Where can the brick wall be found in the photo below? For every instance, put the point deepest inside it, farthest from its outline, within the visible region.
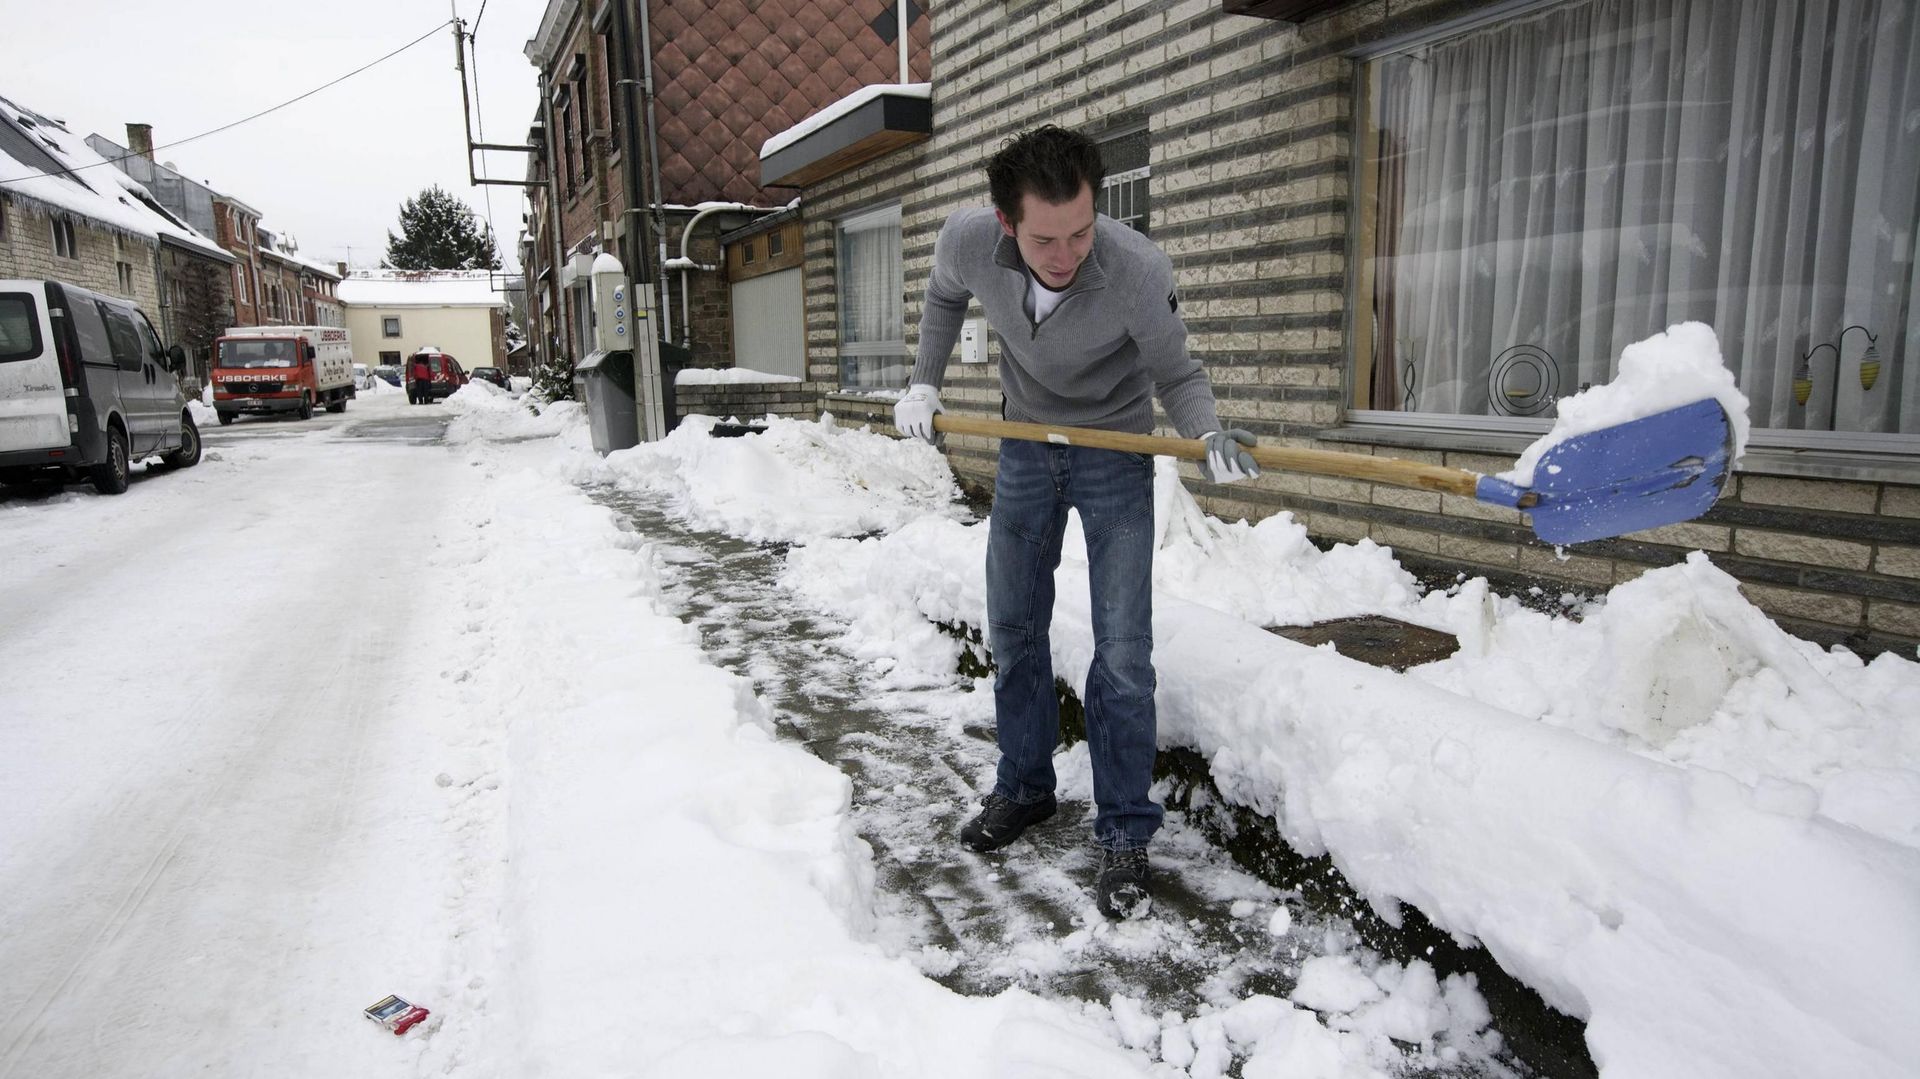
(749, 400)
(1250, 124)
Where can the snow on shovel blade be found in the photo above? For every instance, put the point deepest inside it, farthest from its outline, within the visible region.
(1657, 470)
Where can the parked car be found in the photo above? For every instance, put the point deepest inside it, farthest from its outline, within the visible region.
(86, 389)
(491, 374)
(388, 372)
(444, 375)
(362, 379)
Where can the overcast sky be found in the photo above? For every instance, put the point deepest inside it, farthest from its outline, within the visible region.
(331, 170)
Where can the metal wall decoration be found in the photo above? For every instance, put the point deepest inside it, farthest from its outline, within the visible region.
(1508, 389)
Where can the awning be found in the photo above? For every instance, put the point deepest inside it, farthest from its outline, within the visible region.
(868, 123)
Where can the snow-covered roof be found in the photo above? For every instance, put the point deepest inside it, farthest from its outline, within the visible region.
(302, 261)
(396, 288)
(784, 139)
(41, 161)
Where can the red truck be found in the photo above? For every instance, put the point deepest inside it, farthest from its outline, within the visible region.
(271, 369)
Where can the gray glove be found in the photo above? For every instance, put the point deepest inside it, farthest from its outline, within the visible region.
(1226, 461)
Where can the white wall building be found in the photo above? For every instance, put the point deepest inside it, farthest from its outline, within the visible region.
(395, 313)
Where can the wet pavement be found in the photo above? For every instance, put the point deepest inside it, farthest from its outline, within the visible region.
(918, 756)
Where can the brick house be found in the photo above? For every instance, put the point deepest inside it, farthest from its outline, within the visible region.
(1394, 232)
(66, 214)
(237, 228)
(300, 292)
(725, 76)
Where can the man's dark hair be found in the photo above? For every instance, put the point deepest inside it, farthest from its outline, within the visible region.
(1051, 162)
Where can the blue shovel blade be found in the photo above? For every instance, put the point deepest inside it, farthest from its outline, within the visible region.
(1657, 470)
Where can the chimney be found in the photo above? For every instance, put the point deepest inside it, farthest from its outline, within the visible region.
(343, 269)
(140, 139)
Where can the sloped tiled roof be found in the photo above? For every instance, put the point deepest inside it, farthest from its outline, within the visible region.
(730, 73)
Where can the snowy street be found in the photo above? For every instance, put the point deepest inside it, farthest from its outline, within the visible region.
(215, 820)
(650, 765)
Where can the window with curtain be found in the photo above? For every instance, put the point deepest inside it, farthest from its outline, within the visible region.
(873, 342)
(1540, 193)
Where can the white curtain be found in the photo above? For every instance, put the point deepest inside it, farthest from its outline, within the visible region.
(873, 347)
(1559, 186)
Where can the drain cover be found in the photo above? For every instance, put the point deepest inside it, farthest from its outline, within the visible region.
(1383, 642)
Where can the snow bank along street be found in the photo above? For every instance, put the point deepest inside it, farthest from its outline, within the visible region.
(346, 712)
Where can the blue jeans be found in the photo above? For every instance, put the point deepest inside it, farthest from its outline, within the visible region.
(1113, 491)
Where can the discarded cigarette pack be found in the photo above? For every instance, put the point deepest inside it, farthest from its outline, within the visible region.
(395, 1014)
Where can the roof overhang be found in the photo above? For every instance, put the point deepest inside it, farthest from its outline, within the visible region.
(554, 23)
(869, 123)
(206, 251)
(1291, 11)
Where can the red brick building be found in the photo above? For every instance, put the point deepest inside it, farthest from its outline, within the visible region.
(630, 175)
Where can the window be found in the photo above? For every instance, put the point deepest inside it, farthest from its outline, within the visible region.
(19, 327)
(1123, 195)
(583, 112)
(1538, 194)
(389, 327)
(566, 147)
(149, 337)
(389, 359)
(873, 347)
(64, 245)
(615, 95)
(746, 252)
(127, 350)
(3, 220)
(90, 331)
(776, 242)
(125, 270)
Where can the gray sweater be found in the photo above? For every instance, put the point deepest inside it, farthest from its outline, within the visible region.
(1114, 343)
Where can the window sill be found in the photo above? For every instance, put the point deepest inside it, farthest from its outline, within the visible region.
(1862, 466)
(861, 406)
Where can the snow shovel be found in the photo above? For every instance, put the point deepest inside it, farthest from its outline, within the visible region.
(1656, 470)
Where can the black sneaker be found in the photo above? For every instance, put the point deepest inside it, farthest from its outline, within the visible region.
(1122, 890)
(1001, 822)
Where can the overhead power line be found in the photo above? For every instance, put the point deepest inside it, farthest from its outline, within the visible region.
(255, 116)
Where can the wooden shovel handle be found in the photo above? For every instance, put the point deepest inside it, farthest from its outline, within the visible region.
(1356, 466)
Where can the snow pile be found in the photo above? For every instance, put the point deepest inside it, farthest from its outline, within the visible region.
(685, 892)
(1665, 371)
(725, 376)
(1268, 573)
(1671, 819)
(1283, 1039)
(795, 482)
(1626, 886)
(1679, 667)
(483, 411)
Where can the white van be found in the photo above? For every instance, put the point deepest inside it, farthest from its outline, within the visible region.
(86, 388)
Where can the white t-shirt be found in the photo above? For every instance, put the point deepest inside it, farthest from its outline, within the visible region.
(1041, 298)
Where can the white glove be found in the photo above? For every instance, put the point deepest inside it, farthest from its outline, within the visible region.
(913, 413)
(1226, 461)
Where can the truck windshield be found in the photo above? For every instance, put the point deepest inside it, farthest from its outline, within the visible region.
(263, 353)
